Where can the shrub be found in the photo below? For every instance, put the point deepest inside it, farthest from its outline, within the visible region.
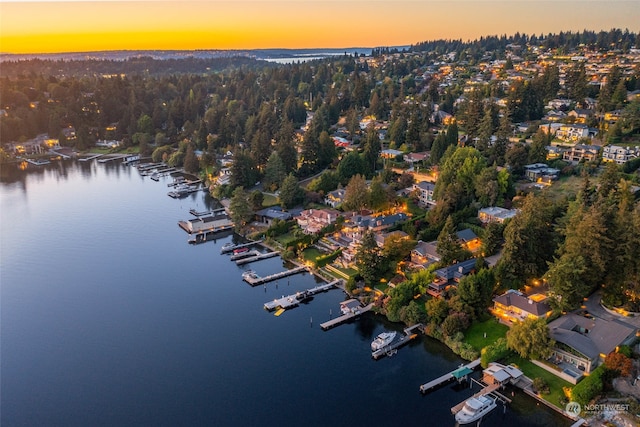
(589, 387)
(540, 385)
(494, 352)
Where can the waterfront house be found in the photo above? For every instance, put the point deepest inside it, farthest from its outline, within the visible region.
(450, 276)
(313, 220)
(268, 215)
(514, 306)
(495, 214)
(584, 341)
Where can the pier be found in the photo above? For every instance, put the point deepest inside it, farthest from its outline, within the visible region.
(110, 157)
(37, 162)
(86, 159)
(447, 377)
(293, 300)
(350, 310)
(255, 256)
(226, 249)
(253, 279)
(396, 344)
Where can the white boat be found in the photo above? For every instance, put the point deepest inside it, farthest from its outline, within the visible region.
(250, 275)
(382, 340)
(475, 408)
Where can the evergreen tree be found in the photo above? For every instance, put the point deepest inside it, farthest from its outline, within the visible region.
(369, 258)
(449, 247)
(274, 172)
(290, 192)
(356, 195)
(240, 209)
(191, 164)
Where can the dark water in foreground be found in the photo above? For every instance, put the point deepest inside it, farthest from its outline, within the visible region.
(109, 318)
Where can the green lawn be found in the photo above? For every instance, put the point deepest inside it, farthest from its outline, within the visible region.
(532, 371)
(285, 239)
(269, 200)
(566, 187)
(475, 334)
(311, 254)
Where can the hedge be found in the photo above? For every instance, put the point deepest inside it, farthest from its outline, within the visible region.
(494, 352)
(589, 387)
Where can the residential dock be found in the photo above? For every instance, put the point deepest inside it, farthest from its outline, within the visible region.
(227, 249)
(242, 255)
(293, 300)
(253, 279)
(396, 344)
(256, 256)
(486, 390)
(351, 309)
(447, 377)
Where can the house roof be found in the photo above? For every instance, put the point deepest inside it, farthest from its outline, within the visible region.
(590, 337)
(457, 270)
(275, 212)
(466, 235)
(425, 185)
(513, 298)
(428, 249)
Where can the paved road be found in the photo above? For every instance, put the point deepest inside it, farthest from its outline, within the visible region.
(595, 308)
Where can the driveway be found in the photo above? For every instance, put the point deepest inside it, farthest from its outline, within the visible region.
(596, 309)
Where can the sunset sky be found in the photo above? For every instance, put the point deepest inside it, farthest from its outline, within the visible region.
(80, 26)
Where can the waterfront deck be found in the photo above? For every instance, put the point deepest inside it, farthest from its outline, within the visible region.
(293, 300)
(396, 344)
(227, 249)
(254, 279)
(447, 377)
(345, 317)
(256, 256)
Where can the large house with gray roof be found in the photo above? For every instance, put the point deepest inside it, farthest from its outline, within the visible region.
(583, 342)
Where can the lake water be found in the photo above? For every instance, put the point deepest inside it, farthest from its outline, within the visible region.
(110, 318)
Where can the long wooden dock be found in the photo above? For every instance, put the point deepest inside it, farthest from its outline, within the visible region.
(446, 377)
(345, 317)
(227, 249)
(293, 300)
(256, 257)
(241, 255)
(253, 279)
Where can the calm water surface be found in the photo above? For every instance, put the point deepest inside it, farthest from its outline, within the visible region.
(109, 318)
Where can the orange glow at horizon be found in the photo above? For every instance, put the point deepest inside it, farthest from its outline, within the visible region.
(77, 26)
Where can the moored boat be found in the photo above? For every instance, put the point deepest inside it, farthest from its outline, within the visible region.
(382, 340)
(475, 408)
